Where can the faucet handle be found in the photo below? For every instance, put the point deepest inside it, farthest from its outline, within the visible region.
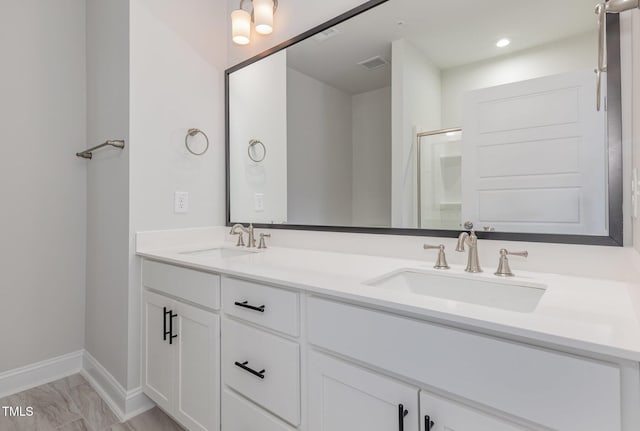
(262, 243)
(441, 261)
(504, 270)
(240, 242)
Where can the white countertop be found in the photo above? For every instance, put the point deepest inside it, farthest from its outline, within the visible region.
(591, 315)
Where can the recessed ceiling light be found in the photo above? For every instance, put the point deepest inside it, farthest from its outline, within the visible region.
(502, 43)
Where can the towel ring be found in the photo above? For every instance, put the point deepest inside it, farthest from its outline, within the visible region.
(253, 143)
(192, 133)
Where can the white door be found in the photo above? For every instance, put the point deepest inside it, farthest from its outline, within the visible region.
(157, 354)
(534, 157)
(345, 397)
(197, 375)
(440, 414)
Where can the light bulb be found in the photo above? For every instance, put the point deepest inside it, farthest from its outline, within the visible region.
(241, 26)
(502, 43)
(263, 16)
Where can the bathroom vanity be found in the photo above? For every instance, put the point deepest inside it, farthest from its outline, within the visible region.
(282, 339)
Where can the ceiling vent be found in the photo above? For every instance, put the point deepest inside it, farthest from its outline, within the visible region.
(326, 34)
(373, 62)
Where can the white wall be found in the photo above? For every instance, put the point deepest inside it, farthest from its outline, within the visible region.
(319, 152)
(371, 144)
(569, 55)
(416, 101)
(108, 184)
(43, 217)
(258, 110)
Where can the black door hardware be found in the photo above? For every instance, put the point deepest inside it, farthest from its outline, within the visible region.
(171, 334)
(401, 414)
(243, 365)
(428, 423)
(245, 304)
(164, 324)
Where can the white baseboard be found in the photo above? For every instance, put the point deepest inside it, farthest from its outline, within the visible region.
(125, 404)
(30, 376)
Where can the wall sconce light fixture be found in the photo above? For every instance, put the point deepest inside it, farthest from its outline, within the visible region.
(261, 14)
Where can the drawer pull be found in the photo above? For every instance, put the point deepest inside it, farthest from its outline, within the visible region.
(428, 423)
(245, 304)
(243, 365)
(402, 412)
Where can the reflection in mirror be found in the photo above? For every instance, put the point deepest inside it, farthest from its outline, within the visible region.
(425, 114)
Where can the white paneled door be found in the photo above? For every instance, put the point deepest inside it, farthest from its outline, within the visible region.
(534, 157)
(197, 368)
(440, 414)
(181, 371)
(158, 354)
(345, 397)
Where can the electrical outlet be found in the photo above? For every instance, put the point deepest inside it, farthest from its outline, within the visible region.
(181, 202)
(258, 202)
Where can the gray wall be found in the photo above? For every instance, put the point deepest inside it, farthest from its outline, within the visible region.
(318, 152)
(43, 216)
(371, 142)
(108, 184)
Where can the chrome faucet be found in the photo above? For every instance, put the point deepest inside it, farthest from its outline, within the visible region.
(238, 229)
(470, 240)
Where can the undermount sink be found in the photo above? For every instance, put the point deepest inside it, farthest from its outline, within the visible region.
(505, 294)
(218, 252)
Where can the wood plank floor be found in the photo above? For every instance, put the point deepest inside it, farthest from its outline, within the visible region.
(71, 404)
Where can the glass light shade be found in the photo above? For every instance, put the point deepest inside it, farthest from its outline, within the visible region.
(263, 16)
(241, 26)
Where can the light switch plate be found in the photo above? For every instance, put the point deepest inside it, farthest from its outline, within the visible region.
(258, 202)
(181, 202)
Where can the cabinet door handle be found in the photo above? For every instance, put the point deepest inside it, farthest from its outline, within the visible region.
(245, 304)
(402, 412)
(428, 423)
(164, 324)
(243, 365)
(171, 334)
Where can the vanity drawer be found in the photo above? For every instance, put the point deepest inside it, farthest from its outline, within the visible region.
(280, 308)
(198, 287)
(552, 389)
(239, 414)
(279, 388)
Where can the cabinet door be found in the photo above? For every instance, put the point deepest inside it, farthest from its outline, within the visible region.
(345, 397)
(197, 375)
(447, 415)
(157, 353)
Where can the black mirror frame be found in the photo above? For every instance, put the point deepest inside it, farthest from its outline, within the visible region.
(615, 165)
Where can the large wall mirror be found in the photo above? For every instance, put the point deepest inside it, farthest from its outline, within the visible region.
(429, 117)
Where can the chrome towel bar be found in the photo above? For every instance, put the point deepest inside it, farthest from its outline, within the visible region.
(87, 154)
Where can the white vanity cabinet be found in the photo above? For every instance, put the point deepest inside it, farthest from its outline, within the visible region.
(280, 359)
(181, 348)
